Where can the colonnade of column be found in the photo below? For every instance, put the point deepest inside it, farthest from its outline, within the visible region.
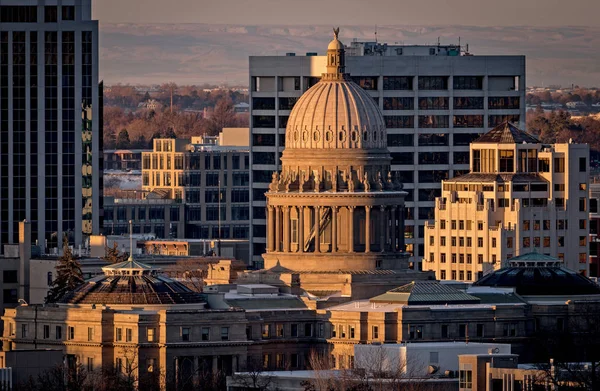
(281, 239)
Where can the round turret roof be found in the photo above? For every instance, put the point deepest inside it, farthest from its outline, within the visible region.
(336, 113)
(539, 275)
(129, 283)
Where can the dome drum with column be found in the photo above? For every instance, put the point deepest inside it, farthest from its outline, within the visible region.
(335, 204)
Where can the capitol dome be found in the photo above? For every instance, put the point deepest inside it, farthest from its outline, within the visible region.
(336, 113)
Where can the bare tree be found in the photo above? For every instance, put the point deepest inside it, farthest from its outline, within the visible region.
(191, 273)
(573, 348)
(254, 378)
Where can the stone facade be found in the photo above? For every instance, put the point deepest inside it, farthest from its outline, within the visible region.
(335, 205)
(521, 195)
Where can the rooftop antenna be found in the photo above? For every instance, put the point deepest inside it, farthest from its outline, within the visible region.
(130, 241)
(376, 34)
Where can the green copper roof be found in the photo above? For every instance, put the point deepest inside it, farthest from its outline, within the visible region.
(534, 257)
(425, 292)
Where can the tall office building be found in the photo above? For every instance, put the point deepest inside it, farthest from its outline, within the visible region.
(435, 101)
(520, 196)
(50, 121)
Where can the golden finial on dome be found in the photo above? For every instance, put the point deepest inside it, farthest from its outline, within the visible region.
(336, 32)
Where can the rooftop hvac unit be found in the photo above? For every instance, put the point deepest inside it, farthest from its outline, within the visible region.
(311, 54)
(290, 54)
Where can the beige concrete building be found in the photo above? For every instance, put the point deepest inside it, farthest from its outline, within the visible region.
(520, 196)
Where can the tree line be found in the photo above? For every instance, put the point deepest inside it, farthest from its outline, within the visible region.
(179, 112)
(560, 127)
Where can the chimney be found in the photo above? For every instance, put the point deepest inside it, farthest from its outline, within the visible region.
(25, 258)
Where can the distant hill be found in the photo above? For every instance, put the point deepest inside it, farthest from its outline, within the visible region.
(199, 53)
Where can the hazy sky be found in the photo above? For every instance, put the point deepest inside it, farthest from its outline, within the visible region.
(355, 12)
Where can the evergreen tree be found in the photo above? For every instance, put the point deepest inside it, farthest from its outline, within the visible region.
(123, 139)
(170, 133)
(113, 255)
(68, 274)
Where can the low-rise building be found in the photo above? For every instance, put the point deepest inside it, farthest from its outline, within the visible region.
(123, 159)
(211, 180)
(155, 215)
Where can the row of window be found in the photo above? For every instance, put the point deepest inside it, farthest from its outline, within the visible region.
(461, 258)
(152, 213)
(58, 332)
(461, 275)
(193, 161)
(407, 103)
(396, 122)
(28, 14)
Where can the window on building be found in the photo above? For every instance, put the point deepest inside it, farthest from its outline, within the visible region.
(509, 329)
(58, 332)
(462, 330)
(480, 259)
(375, 332)
(433, 103)
(294, 330)
(467, 82)
(10, 276)
(433, 121)
(398, 103)
(454, 274)
(150, 365)
(90, 364)
(479, 242)
(468, 103)
(582, 204)
(224, 333)
(433, 82)
(185, 334)
(50, 14)
(443, 258)
(465, 379)
(442, 274)
(582, 164)
(468, 121)
(70, 332)
(507, 160)
(397, 83)
(308, 329)
(128, 335)
(11, 296)
(469, 242)
(559, 165)
(266, 330)
(150, 334)
(444, 331)
(46, 331)
(582, 257)
(90, 333)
